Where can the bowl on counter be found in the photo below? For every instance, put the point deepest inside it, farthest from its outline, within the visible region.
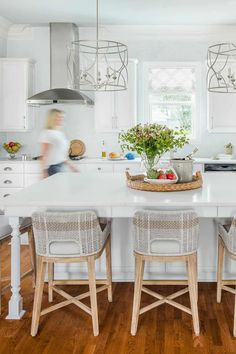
(12, 148)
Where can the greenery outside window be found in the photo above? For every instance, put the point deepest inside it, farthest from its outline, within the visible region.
(172, 95)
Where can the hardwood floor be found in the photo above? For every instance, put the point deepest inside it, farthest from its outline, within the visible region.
(164, 330)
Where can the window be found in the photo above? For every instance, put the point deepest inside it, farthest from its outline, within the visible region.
(172, 95)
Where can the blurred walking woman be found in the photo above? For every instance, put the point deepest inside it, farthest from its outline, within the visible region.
(54, 145)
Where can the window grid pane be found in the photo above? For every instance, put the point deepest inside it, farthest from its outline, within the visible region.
(172, 97)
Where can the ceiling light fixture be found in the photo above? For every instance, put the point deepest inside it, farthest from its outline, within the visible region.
(221, 62)
(101, 65)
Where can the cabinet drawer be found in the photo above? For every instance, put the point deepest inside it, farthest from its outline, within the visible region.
(103, 168)
(33, 167)
(9, 180)
(81, 167)
(32, 179)
(132, 168)
(5, 192)
(9, 167)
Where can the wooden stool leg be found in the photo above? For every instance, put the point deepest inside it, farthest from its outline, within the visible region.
(234, 330)
(221, 252)
(196, 274)
(32, 254)
(139, 268)
(108, 268)
(0, 280)
(50, 280)
(192, 293)
(38, 296)
(93, 294)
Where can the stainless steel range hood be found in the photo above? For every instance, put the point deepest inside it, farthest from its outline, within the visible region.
(61, 36)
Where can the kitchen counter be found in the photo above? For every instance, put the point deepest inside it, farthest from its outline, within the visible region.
(109, 191)
(109, 196)
(99, 160)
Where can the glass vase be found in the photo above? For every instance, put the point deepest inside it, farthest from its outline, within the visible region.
(150, 165)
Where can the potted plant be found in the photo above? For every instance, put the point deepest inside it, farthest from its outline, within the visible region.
(151, 141)
(229, 149)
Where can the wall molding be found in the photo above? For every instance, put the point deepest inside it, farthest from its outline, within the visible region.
(4, 27)
(20, 32)
(160, 32)
(211, 34)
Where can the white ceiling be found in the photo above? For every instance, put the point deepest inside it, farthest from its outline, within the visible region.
(121, 12)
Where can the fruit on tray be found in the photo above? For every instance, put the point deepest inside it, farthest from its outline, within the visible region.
(168, 174)
(12, 147)
(114, 155)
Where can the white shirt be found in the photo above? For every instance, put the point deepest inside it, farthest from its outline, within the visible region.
(58, 146)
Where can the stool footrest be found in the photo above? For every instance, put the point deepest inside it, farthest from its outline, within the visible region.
(165, 282)
(230, 290)
(165, 299)
(71, 300)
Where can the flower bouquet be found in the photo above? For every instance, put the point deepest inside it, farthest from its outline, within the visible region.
(151, 141)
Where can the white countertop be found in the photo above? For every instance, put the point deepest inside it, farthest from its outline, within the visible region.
(109, 190)
(99, 160)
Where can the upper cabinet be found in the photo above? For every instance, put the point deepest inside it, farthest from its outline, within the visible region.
(117, 110)
(222, 112)
(16, 85)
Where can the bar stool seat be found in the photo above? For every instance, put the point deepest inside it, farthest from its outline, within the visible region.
(165, 236)
(226, 242)
(70, 237)
(5, 236)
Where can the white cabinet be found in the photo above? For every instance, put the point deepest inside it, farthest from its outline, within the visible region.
(117, 110)
(32, 179)
(11, 167)
(11, 178)
(16, 85)
(221, 112)
(127, 167)
(99, 168)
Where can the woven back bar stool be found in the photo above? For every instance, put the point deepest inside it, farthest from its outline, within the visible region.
(165, 236)
(226, 242)
(5, 236)
(70, 237)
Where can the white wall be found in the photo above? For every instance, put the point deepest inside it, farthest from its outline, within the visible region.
(79, 122)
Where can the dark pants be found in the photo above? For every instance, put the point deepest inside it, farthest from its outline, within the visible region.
(55, 168)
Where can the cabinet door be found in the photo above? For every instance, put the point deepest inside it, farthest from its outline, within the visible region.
(116, 110)
(99, 168)
(125, 102)
(15, 85)
(104, 111)
(127, 167)
(221, 112)
(32, 179)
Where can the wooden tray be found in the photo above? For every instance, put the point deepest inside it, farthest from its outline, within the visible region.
(137, 182)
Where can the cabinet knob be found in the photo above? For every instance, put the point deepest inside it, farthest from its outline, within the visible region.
(99, 168)
(6, 195)
(127, 169)
(7, 169)
(7, 181)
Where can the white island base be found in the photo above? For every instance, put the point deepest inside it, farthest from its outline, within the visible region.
(123, 260)
(109, 196)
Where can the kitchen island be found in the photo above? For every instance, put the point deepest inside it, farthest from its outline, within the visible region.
(109, 196)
